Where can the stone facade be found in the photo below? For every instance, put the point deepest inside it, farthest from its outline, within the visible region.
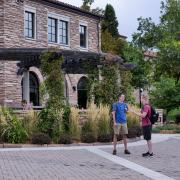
(12, 36)
(1, 24)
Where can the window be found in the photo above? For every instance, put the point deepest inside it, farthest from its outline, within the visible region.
(29, 24)
(63, 32)
(52, 30)
(83, 32)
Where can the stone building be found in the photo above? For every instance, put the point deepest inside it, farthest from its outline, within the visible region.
(27, 27)
(30, 27)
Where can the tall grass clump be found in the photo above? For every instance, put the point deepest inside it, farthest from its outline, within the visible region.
(74, 128)
(104, 129)
(89, 128)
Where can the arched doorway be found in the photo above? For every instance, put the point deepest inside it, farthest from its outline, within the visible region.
(82, 92)
(34, 89)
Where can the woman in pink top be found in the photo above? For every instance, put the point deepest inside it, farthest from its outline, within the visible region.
(146, 124)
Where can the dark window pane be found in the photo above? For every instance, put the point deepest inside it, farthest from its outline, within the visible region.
(29, 24)
(83, 36)
(52, 30)
(63, 32)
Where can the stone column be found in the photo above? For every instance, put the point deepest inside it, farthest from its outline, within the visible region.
(26, 93)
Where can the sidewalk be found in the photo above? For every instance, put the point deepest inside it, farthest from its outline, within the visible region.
(93, 162)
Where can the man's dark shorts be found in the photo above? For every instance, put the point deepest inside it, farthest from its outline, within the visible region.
(147, 130)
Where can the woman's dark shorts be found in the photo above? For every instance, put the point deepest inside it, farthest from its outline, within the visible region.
(147, 130)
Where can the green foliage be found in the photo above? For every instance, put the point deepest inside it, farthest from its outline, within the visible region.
(107, 90)
(41, 138)
(166, 94)
(74, 128)
(11, 128)
(50, 122)
(54, 119)
(164, 37)
(112, 44)
(172, 114)
(29, 122)
(88, 133)
(53, 84)
(141, 74)
(110, 22)
(168, 127)
(65, 139)
(87, 5)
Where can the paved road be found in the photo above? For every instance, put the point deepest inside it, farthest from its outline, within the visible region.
(93, 163)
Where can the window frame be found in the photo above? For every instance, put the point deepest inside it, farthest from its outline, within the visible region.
(84, 24)
(56, 30)
(31, 10)
(60, 18)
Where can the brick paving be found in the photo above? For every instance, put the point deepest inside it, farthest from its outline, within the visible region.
(72, 163)
(63, 165)
(166, 158)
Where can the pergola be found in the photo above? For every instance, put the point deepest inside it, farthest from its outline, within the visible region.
(74, 60)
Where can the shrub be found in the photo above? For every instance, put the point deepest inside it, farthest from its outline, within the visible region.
(87, 133)
(92, 116)
(134, 131)
(50, 122)
(177, 119)
(41, 138)
(65, 139)
(88, 137)
(155, 130)
(11, 127)
(178, 130)
(29, 122)
(105, 138)
(66, 118)
(103, 120)
(74, 128)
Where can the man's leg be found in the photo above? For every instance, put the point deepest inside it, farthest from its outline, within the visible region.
(115, 141)
(116, 133)
(149, 143)
(125, 141)
(125, 132)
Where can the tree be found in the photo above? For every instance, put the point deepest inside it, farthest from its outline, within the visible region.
(141, 72)
(110, 22)
(164, 38)
(166, 95)
(87, 4)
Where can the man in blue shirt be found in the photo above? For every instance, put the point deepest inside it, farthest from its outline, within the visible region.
(120, 124)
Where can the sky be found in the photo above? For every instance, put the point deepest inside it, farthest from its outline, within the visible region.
(127, 12)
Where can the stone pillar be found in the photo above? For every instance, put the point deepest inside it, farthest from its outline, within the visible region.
(26, 93)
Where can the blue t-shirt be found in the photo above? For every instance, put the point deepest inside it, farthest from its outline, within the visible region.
(120, 112)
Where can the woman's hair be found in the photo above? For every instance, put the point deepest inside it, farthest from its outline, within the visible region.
(145, 97)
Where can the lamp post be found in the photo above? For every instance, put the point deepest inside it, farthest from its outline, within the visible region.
(140, 91)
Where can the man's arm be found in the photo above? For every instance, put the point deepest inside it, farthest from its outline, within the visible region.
(142, 115)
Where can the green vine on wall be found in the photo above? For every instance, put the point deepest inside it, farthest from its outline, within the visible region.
(53, 86)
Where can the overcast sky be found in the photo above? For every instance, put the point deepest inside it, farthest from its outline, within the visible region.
(127, 12)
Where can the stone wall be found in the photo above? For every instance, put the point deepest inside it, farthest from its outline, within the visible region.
(2, 88)
(1, 23)
(12, 84)
(14, 26)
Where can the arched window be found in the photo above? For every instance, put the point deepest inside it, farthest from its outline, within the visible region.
(82, 92)
(34, 89)
(30, 88)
